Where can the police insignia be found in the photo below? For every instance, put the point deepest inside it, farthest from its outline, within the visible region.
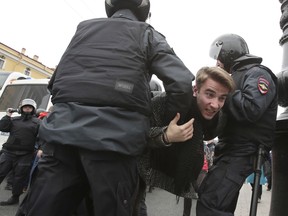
(263, 85)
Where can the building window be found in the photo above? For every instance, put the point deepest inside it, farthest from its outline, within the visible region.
(2, 61)
(27, 72)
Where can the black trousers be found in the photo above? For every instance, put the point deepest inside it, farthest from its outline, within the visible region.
(259, 190)
(66, 175)
(187, 207)
(140, 208)
(20, 165)
(188, 201)
(219, 191)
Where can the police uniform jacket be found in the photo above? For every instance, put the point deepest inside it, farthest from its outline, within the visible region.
(23, 133)
(251, 110)
(100, 89)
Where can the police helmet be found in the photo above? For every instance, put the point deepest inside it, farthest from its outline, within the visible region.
(28, 102)
(155, 86)
(141, 8)
(227, 48)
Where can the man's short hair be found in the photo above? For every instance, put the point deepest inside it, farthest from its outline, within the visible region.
(217, 74)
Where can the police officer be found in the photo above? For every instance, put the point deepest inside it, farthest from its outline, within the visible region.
(18, 151)
(100, 118)
(251, 116)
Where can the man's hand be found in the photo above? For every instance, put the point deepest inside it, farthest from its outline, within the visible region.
(179, 133)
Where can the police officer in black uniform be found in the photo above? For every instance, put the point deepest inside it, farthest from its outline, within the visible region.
(251, 117)
(100, 118)
(18, 150)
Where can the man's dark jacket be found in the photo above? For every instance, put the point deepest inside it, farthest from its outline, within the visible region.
(176, 167)
(23, 133)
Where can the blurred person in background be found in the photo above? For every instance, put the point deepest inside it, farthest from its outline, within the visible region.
(18, 150)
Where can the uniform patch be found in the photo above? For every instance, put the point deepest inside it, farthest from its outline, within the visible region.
(124, 86)
(263, 85)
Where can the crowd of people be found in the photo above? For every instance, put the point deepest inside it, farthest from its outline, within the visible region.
(111, 135)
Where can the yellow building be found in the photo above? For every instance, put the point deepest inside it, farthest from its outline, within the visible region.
(12, 60)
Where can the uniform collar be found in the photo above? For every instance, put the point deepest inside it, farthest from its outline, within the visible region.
(246, 62)
(126, 14)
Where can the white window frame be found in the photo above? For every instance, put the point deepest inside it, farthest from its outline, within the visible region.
(2, 62)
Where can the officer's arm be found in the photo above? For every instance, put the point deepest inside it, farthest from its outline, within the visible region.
(176, 77)
(51, 81)
(5, 124)
(256, 95)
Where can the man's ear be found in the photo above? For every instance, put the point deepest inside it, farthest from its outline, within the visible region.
(195, 90)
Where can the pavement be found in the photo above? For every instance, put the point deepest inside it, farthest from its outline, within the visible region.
(162, 203)
(5, 195)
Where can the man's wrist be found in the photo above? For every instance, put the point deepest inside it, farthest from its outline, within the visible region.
(165, 138)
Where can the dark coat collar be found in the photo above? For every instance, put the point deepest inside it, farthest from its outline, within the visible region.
(126, 14)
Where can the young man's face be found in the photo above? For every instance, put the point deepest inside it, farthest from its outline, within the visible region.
(210, 98)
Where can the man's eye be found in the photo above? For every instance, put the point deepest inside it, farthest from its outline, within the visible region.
(209, 94)
(222, 99)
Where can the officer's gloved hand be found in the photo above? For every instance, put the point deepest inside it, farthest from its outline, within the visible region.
(9, 111)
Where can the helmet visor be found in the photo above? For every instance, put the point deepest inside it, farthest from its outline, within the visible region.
(215, 49)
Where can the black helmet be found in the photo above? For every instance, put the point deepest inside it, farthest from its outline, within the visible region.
(227, 48)
(28, 102)
(141, 8)
(155, 86)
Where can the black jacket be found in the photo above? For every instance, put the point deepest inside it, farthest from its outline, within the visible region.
(23, 133)
(175, 167)
(103, 80)
(251, 110)
(110, 61)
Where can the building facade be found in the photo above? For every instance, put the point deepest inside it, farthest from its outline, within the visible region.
(12, 60)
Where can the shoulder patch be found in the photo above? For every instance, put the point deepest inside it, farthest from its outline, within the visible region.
(263, 85)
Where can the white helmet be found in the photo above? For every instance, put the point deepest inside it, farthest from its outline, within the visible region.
(28, 102)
